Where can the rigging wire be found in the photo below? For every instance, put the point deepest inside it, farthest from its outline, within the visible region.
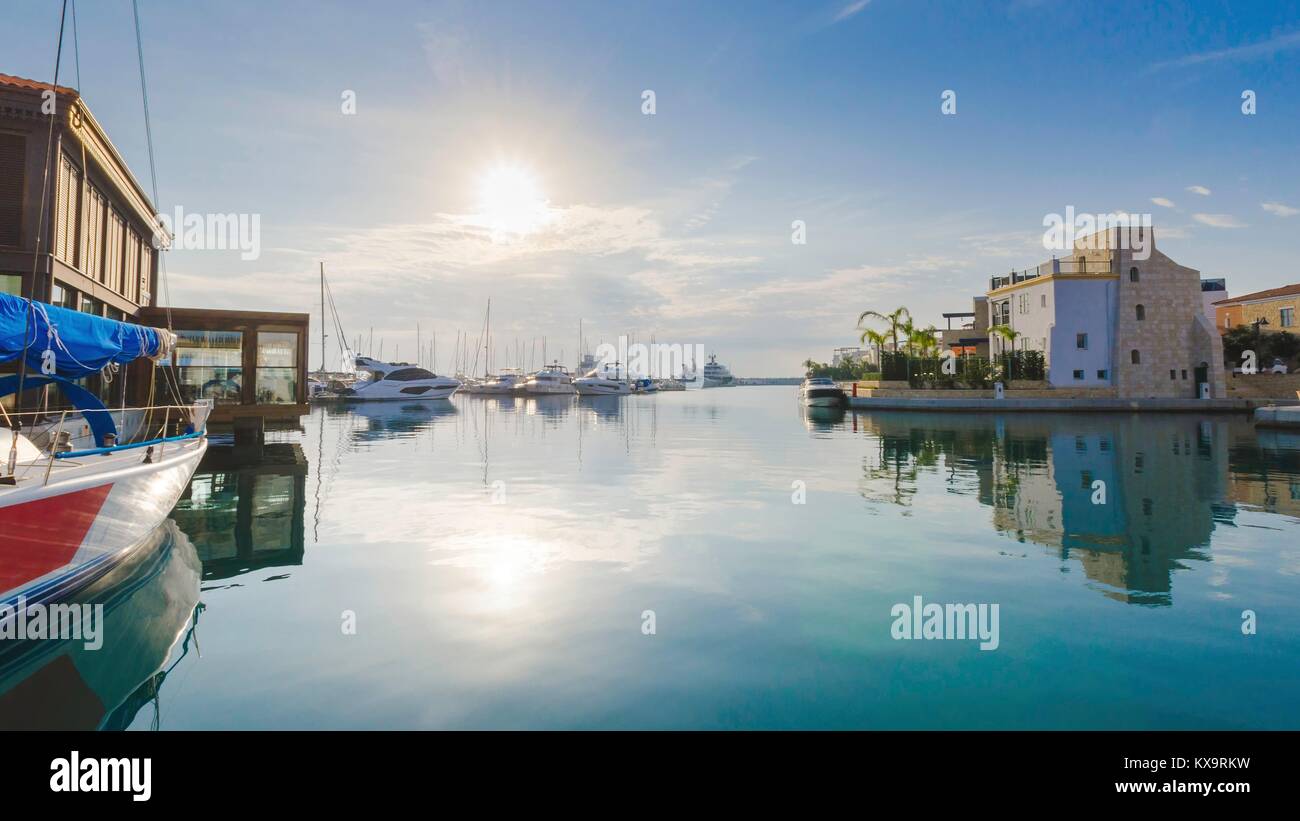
(40, 230)
(173, 382)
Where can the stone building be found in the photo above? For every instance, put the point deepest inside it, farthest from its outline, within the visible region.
(1110, 318)
(1274, 309)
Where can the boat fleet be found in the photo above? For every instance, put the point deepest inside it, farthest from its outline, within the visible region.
(373, 380)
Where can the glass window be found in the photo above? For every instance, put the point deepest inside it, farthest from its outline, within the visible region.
(63, 297)
(90, 305)
(1078, 374)
(1103, 374)
(277, 367)
(209, 365)
(1133, 275)
(11, 284)
(1081, 341)
(1141, 312)
(1135, 357)
(1288, 317)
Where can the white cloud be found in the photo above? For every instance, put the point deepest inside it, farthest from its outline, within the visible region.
(1218, 220)
(1264, 48)
(1280, 210)
(1164, 203)
(851, 9)
(1199, 189)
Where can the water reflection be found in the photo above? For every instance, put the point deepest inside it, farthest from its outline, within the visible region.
(243, 516)
(148, 601)
(1130, 498)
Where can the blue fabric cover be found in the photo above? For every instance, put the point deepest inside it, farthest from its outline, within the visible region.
(81, 344)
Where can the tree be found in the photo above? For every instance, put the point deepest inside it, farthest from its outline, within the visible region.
(894, 320)
(877, 339)
(1007, 334)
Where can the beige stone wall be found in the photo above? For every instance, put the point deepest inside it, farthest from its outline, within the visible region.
(1265, 386)
(1174, 334)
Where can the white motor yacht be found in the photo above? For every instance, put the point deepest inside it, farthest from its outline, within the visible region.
(379, 381)
(507, 380)
(597, 383)
(820, 391)
(554, 378)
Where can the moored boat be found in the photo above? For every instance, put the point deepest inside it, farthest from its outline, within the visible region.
(819, 391)
(76, 492)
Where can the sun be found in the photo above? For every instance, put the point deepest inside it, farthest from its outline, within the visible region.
(511, 202)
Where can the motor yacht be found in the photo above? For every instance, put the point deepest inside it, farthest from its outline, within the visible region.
(820, 391)
(554, 378)
(388, 381)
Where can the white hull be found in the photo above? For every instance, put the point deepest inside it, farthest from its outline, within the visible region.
(823, 401)
(602, 387)
(92, 510)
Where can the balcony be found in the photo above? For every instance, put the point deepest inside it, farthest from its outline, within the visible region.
(1055, 266)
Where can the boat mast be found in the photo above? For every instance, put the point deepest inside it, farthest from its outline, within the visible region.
(323, 335)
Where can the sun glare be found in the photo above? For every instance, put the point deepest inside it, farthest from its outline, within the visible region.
(511, 202)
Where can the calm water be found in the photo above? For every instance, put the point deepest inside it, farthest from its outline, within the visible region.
(497, 557)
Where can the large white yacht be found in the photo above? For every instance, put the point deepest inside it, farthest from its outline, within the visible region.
(554, 378)
(820, 391)
(715, 375)
(378, 381)
(597, 383)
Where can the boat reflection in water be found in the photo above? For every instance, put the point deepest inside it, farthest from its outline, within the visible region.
(1130, 498)
(821, 418)
(147, 604)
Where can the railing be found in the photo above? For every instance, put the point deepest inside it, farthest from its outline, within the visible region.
(154, 426)
(1082, 265)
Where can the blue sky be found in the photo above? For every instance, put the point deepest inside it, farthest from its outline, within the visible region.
(678, 224)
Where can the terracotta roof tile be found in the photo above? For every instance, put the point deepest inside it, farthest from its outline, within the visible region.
(11, 81)
(1285, 290)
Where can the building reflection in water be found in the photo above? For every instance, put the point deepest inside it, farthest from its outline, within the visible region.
(148, 601)
(246, 516)
(1168, 481)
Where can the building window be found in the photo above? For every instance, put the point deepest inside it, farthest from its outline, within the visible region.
(1103, 374)
(63, 297)
(1184, 374)
(1288, 317)
(1081, 341)
(1173, 374)
(11, 284)
(1133, 275)
(90, 305)
(1078, 374)
(1043, 303)
(67, 211)
(1141, 313)
(1135, 357)
(1227, 321)
(277, 368)
(209, 365)
(1085, 479)
(13, 168)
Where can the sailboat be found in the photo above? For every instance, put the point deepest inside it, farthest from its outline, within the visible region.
(81, 487)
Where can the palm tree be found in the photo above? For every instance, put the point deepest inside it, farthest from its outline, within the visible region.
(894, 320)
(1007, 334)
(926, 340)
(809, 365)
(878, 339)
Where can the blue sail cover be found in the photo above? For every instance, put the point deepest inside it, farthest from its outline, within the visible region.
(76, 344)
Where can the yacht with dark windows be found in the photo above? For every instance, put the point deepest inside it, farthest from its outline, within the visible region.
(387, 381)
